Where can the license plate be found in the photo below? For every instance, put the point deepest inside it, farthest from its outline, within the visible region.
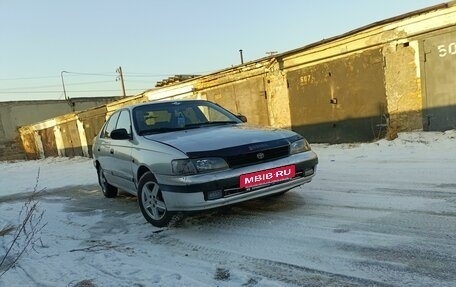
(267, 176)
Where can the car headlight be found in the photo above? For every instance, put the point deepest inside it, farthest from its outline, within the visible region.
(299, 146)
(211, 163)
(183, 167)
(193, 166)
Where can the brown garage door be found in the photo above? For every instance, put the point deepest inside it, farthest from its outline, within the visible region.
(92, 121)
(70, 137)
(48, 140)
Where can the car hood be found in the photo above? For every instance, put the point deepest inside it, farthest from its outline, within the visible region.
(238, 138)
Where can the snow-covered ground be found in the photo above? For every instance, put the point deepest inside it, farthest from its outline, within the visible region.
(376, 214)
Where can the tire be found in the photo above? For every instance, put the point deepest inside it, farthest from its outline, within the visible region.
(151, 202)
(108, 190)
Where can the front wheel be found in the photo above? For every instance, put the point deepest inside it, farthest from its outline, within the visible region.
(108, 190)
(151, 201)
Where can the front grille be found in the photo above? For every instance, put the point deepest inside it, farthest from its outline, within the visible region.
(252, 157)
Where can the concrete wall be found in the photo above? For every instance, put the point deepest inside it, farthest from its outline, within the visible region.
(21, 113)
(16, 114)
(403, 87)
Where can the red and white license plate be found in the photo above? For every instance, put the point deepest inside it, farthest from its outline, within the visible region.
(267, 176)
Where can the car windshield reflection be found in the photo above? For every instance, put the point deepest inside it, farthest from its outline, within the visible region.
(186, 127)
(170, 117)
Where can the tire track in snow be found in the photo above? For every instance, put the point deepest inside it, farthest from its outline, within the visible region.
(287, 273)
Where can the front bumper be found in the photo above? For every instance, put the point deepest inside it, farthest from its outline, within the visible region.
(187, 193)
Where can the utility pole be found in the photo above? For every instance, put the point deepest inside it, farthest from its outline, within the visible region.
(63, 84)
(242, 56)
(70, 103)
(119, 70)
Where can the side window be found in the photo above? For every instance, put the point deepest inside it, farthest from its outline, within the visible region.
(110, 125)
(124, 121)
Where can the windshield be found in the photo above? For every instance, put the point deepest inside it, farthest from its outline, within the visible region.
(171, 116)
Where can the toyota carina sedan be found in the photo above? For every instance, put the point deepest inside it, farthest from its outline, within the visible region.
(194, 155)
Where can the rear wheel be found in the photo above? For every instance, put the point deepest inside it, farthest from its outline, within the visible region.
(151, 202)
(108, 190)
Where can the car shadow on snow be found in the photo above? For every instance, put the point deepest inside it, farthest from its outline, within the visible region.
(93, 200)
(89, 200)
(267, 206)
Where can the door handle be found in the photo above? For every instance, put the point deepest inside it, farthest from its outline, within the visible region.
(111, 151)
(428, 117)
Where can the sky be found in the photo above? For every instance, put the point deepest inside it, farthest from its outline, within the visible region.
(48, 44)
(375, 214)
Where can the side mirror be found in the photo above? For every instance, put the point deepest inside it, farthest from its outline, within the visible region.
(120, 134)
(242, 118)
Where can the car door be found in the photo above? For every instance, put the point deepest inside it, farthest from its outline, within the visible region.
(103, 148)
(121, 152)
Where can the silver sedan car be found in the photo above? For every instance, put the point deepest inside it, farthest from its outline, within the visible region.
(192, 155)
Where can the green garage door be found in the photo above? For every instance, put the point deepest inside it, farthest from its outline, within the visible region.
(342, 100)
(439, 82)
(246, 96)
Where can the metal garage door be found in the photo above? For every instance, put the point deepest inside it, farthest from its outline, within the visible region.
(48, 141)
(70, 137)
(92, 121)
(343, 100)
(247, 97)
(439, 82)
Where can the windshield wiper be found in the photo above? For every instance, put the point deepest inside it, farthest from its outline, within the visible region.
(159, 130)
(210, 123)
(223, 122)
